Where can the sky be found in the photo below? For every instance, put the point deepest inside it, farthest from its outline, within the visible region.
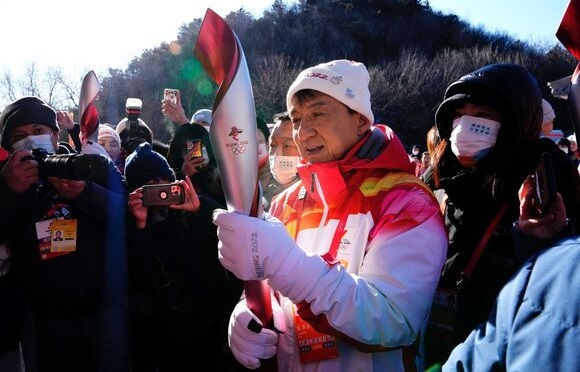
(534, 21)
(79, 36)
(95, 35)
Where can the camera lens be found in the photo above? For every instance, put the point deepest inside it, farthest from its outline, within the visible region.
(71, 166)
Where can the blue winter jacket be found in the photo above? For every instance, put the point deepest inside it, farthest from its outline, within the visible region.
(534, 325)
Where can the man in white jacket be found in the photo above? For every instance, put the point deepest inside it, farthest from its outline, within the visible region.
(353, 250)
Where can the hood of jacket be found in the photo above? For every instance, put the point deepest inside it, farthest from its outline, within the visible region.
(510, 89)
(380, 151)
(514, 92)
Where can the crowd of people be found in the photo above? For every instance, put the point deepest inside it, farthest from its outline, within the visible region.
(377, 258)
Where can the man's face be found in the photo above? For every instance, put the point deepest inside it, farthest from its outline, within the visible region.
(324, 129)
(26, 130)
(281, 141)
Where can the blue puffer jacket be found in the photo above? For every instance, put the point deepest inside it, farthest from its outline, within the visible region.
(535, 323)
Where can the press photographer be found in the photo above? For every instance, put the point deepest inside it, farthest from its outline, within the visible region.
(44, 189)
(132, 129)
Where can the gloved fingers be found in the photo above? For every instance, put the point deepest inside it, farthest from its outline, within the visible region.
(246, 326)
(248, 340)
(240, 264)
(250, 351)
(225, 219)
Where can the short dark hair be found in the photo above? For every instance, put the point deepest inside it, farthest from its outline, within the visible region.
(281, 116)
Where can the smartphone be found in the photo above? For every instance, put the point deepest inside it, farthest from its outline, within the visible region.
(171, 95)
(545, 185)
(163, 194)
(195, 147)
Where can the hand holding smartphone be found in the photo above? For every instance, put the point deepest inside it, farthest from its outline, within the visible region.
(163, 195)
(194, 148)
(170, 95)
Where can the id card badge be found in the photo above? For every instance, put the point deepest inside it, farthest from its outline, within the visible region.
(313, 345)
(64, 236)
(44, 237)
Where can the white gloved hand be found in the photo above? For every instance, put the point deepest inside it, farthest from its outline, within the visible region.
(248, 339)
(256, 249)
(250, 247)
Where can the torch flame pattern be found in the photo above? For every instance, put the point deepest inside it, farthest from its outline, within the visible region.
(569, 35)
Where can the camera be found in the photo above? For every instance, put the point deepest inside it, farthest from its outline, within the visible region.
(133, 109)
(163, 194)
(78, 167)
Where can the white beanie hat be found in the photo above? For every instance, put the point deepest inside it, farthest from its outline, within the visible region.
(346, 81)
(106, 130)
(203, 115)
(549, 114)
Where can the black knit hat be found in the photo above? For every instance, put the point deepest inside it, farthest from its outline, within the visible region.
(144, 164)
(27, 110)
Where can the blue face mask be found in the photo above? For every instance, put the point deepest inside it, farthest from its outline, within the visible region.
(42, 141)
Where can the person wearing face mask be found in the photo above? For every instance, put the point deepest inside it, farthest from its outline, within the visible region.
(264, 175)
(283, 155)
(75, 286)
(489, 127)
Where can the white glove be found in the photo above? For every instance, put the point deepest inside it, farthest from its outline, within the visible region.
(248, 339)
(249, 246)
(255, 249)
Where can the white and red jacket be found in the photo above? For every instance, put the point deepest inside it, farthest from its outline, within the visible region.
(393, 247)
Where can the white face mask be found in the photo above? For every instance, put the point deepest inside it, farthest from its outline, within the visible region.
(565, 149)
(472, 138)
(283, 168)
(42, 141)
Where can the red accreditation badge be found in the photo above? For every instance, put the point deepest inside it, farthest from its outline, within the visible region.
(313, 345)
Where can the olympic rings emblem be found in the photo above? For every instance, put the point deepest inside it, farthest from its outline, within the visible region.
(239, 149)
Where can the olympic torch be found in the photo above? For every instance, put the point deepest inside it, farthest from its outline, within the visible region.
(233, 134)
(569, 35)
